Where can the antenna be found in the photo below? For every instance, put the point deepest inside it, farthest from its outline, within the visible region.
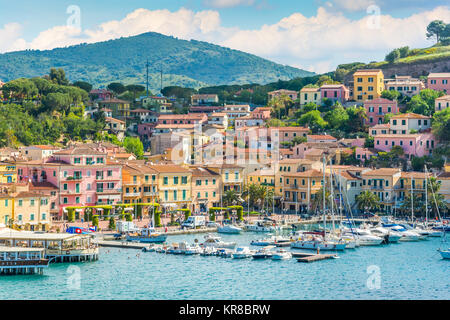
(146, 65)
(161, 78)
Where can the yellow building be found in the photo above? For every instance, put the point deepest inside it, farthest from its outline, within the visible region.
(382, 182)
(139, 183)
(310, 95)
(206, 186)
(6, 208)
(174, 186)
(367, 84)
(232, 176)
(31, 211)
(287, 166)
(8, 172)
(300, 189)
(264, 177)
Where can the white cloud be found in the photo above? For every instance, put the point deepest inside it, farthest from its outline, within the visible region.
(219, 4)
(317, 43)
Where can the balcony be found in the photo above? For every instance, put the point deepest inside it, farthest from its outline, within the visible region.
(109, 191)
(151, 194)
(132, 194)
(73, 178)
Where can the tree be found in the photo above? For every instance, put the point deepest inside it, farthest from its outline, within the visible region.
(441, 125)
(369, 142)
(337, 117)
(112, 224)
(230, 198)
(367, 201)
(135, 89)
(404, 51)
(317, 202)
(392, 56)
(58, 76)
(86, 86)
(391, 94)
(135, 146)
(435, 29)
(423, 103)
(116, 87)
(56, 101)
(357, 117)
(313, 120)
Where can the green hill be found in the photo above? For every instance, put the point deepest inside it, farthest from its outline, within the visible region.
(184, 63)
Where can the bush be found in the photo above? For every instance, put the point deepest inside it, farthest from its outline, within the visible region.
(128, 217)
(158, 219)
(112, 223)
(95, 221)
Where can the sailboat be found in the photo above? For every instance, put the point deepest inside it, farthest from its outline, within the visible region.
(318, 240)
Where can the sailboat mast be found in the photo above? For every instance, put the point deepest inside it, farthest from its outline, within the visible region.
(332, 194)
(426, 198)
(340, 195)
(323, 195)
(412, 200)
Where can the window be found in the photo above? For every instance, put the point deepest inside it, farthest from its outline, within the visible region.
(184, 194)
(77, 160)
(32, 217)
(44, 216)
(77, 200)
(198, 182)
(32, 202)
(65, 200)
(226, 176)
(174, 194)
(109, 173)
(184, 180)
(166, 195)
(166, 181)
(175, 180)
(236, 175)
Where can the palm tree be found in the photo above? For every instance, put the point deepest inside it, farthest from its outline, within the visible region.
(417, 202)
(230, 197)
(317, 202)
(367, 201)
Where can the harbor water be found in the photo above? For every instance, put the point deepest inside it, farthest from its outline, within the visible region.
(407, 270)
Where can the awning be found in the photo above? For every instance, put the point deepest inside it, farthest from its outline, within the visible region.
(128, 209)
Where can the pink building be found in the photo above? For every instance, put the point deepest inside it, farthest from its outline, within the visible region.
(335, 92)
(439, 82)
(417, 145)
(101, 94)
(190, 118)
(376, 110)
(364, 154)
(261, 113)
(81, 175)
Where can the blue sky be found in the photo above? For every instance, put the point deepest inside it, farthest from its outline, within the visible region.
(288, 32)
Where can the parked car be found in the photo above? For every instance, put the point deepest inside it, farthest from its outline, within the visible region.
(212, 224)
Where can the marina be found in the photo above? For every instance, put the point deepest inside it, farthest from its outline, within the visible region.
(132, 274)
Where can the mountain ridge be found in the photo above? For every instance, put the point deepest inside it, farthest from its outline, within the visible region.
(184, 62)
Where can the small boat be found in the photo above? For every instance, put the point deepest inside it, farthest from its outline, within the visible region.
(224, 253)
(407, 235)
(390, 236)
(281, 254)
(191, 250)
(260, 226)
(445, 253)
(216, 242)
(229, 229)
(147, 235)
(263, 253)
(242, 253)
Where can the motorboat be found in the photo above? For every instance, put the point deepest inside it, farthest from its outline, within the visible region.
(208, 251)
(390, 236)
(241, 253)
(191, 250)
(314, 241)
(407, 235)
(224, 253)
(146, 235)
(260, 226)
(229, 229)
(445, 253)
(364, 237)
(281, 254)
(216, 242)
(272, 240)
(263, 253)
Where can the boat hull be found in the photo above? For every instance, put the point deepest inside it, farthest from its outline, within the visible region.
(314, 245)
(445, 254)
(155, 239)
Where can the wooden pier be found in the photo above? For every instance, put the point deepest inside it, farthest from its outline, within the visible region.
(308, 257)
(123, 244)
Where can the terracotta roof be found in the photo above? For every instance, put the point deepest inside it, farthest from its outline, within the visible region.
(175, 126)
(189, 116)
(308, 173)
(415, 175)
(367, 72)
(114, 101)
(381, 126)
(282, 91)
(168, 168)
(380, 100)
(321, 137)
(382, 172)
(79, 151)
(202, 172)
(108, 119)
(439, 75)
(446, 97)
(409, 116)
(43, 186)
(309, 89)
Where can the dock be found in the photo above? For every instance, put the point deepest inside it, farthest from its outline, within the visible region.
(314, 257)
(123, 244)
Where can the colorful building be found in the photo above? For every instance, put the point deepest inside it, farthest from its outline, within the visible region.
(335, 92)
(367, 84)
(442, 103)
(8, 172)
(278, 93)
(377, 108)
(404, 123)
(406, 85)
(310, 95)
(206, 188)
(439, 82)
(414, 145)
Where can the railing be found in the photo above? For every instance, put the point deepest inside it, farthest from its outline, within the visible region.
(132, 194)
(18, 263)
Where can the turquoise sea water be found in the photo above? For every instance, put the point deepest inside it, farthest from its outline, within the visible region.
(408, 270)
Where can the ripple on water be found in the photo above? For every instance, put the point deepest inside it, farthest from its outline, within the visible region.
(410, 270)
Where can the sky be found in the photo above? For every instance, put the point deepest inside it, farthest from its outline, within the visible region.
(314, 35)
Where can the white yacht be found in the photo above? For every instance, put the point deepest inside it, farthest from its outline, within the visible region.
(313, 241)
(364, 237)
(281, 254)
(229, 229)
(242, 253)
(390, 235)
(216, 242)
(260, 226)
(407, 235)
(263, 253)
(272, 240)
